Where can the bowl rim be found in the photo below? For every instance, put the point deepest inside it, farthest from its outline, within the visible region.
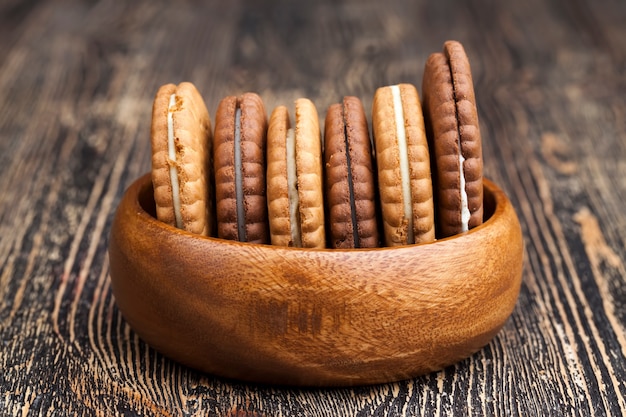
(494, 202)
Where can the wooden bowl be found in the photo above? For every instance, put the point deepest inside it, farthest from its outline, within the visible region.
(313, 317)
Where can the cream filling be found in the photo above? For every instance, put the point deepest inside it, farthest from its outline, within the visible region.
(353, 217)
(292, 190)
(404, 161)
(465, 213)
(171, 153)
(241, 212)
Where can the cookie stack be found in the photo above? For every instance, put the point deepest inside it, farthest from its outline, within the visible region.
(280, 181)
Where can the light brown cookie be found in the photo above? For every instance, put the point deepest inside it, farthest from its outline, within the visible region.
(294, 178)
(181, 165)
(349, 177)
(402, 157)
(452, 123)
(239, 162)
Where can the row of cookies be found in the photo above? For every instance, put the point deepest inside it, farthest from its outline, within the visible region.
(418, 177)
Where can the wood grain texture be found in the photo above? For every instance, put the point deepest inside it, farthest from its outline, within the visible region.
(273, 315)
(77, 81)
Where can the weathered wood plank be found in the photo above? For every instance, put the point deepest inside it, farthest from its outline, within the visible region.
(77, 81)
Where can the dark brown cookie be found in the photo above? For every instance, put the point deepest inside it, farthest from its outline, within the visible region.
(403, 161)
(181, 158)
(239, 160)
(350, 185)
(451, 119)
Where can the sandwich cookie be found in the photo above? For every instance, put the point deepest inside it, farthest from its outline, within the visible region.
(239, 161)
(452, 123)
(402, 157)
(181, 167)
(349, 173)
(294, 177)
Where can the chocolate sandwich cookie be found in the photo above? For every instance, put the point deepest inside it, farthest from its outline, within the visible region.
(181, 149)
(294, 177)
(402, 157)
(452, 123)
(239, 161)
(349, 173)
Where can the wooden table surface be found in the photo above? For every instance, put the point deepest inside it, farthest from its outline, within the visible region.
(77, 79)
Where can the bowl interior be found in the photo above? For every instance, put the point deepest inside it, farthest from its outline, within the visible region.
(145, 198)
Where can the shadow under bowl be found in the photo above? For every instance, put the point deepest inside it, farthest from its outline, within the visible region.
(308, 317)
